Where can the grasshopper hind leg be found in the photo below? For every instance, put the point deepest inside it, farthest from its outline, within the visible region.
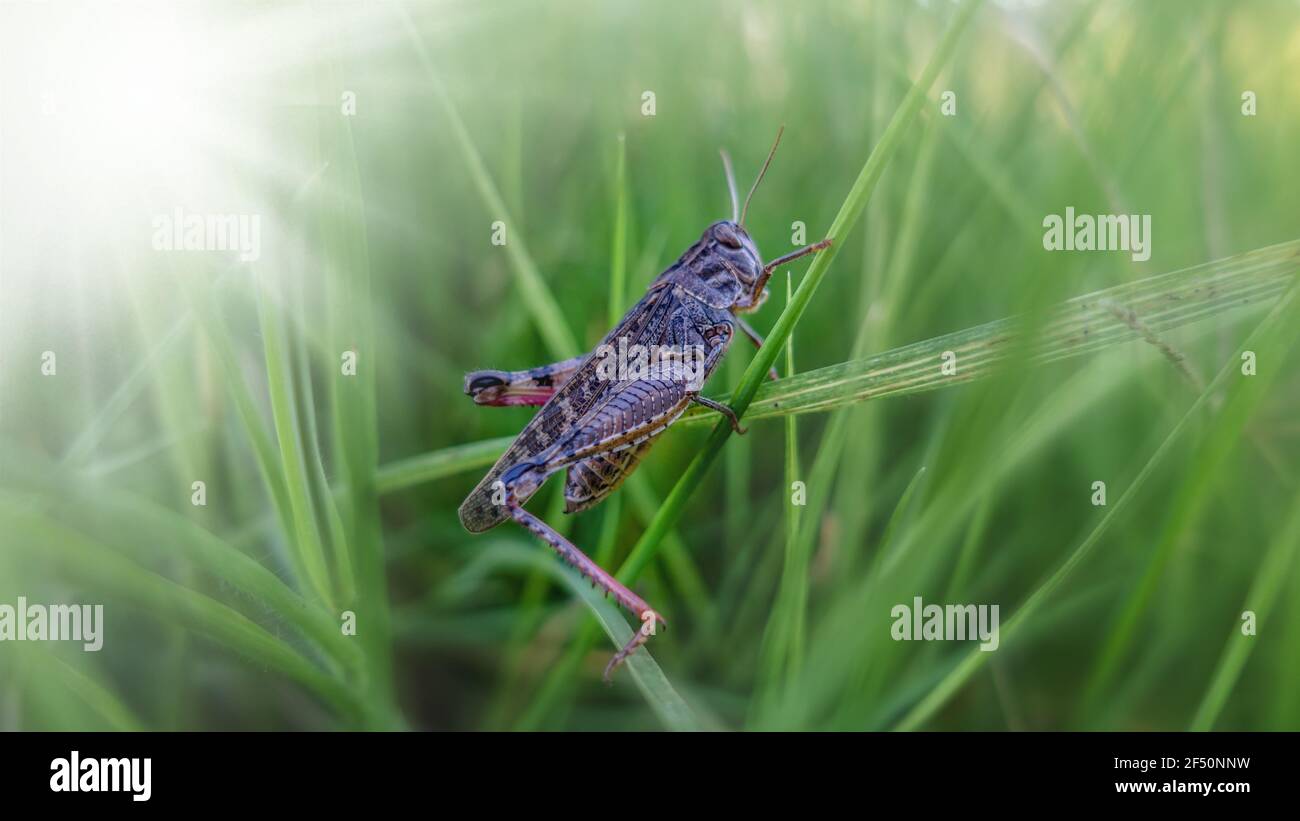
(599, 454)
(571, 555)
(533, 386)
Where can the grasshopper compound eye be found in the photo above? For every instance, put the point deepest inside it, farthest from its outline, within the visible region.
(725, 235)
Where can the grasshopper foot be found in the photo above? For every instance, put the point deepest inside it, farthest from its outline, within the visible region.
(650, 621)
(725, 410)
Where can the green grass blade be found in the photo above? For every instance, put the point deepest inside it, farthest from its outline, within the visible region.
(618, 247)
(202, 301)
(649, 678)
(781, 656)
(164, 535)
(306, 543)
(952, 682)
(439, 464)
(130, 388)
(1082, 325)
(1270, 577)
(350, 308)
(537, 297)
(1202, 474)
(164, 598)
(100, 700)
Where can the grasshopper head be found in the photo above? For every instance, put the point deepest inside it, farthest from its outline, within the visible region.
(721, 269)
(731, 242)
(724, 269)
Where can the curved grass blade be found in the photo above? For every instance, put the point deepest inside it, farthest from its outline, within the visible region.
(350, 307)
(308, 549)
(1082, 325)
(781, 656)
(1263, 594)
(161, 596)
(1201, 475)
(1266, 333)
(537, 296)
(658, 692)
(99, 699)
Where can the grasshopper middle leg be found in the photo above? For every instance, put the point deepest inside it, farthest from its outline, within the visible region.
(757, 338)
(725, 410)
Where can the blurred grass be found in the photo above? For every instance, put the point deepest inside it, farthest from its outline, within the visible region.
(329, 492)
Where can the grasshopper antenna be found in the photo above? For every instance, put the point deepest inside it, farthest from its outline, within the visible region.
(731, 183)
(770, 155)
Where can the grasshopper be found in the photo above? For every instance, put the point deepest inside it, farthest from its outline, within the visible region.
(597, 422)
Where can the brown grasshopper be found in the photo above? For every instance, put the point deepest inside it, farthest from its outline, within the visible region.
(598, 421)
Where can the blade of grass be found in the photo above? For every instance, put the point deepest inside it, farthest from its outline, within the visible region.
(959, 675)
(880, 299)
(161, 534)
(658, 692)
(306, 542)
(102, 701)
(1082, 325)
(737, 467)
(169, 535)
(127, 391)
(318, 483)
(685, 576)
(439, 464)
(355, 435)
(163, 597)
(537, 297)
(781, 655)
(204, 304)
(1270, 577)
(618, 242)
(1201, 476)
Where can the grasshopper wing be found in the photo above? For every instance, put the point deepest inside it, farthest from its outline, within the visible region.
(647, 323)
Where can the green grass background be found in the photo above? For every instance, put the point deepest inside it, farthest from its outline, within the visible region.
(329, 493)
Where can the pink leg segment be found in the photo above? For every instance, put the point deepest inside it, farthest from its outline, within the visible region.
(612, 586)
